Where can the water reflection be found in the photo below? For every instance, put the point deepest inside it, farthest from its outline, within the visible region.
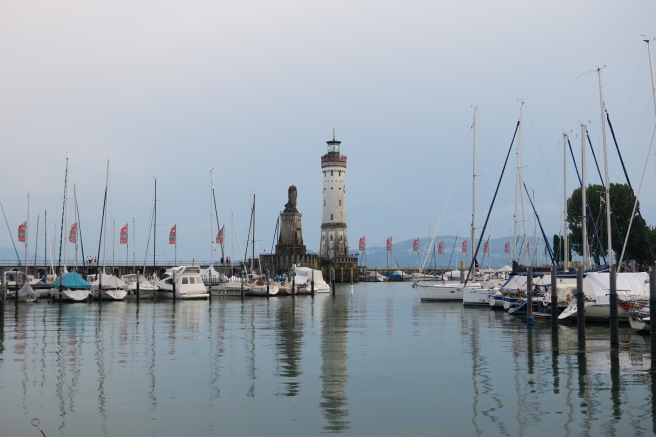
(334, 371)
(364, 365)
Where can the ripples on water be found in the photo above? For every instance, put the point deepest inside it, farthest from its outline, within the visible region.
(377, 362)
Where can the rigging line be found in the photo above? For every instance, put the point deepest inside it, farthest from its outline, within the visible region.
(11, 236)
(443, 212)
(216, 214)
(79, 227)
(635, 204)
(61, 231)
(452, 250)
(628, 182)
(489, 211)
(601, 178)
(587, 205)
(553, 262)
(544, 160)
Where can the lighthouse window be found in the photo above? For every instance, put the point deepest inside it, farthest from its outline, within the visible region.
(331, 217)
(340, 203)
(324, 202)
(331, 238)
(331, 172)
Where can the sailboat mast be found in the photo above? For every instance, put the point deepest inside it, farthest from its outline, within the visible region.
(518, 180)
(607, 184)
(211, 224)
(102, 225)
(584, 203)
(612, 295)
(63, 223)
(77, 218)
(253, 240)
(565, 227)
(473, 223)
(651, 68)
(154, 225)
(27, 229)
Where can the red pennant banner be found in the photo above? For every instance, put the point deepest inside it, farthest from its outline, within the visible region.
(72, 235)
(124, 234)
(22, 229)
(172, 235)
(219, 236)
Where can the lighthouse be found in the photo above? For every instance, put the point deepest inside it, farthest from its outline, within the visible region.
(333, 243)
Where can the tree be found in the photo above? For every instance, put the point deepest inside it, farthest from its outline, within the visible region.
(621, 201)
(559, 249)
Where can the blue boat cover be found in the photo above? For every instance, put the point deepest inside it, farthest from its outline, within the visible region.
(72, 280)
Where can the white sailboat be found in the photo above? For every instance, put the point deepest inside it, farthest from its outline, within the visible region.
(473, 293)
(69, 286)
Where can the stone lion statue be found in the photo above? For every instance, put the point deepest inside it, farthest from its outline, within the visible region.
(291, 199)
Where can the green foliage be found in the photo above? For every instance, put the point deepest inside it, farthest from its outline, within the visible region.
(622, 201)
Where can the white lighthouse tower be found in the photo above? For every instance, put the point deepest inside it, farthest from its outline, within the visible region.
(334, 243)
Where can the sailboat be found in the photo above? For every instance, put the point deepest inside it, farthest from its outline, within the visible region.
(259, 284)
(473, 293)
(210, 276)
(109, 287)
(450, 290)
(68, 286)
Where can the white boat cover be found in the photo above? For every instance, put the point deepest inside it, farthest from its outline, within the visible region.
(109, 282)
(629, 285)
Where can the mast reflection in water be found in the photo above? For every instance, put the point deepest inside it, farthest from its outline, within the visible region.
(375, 362)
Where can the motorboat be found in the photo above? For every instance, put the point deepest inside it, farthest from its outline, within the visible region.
(182, 282)
(304, 279)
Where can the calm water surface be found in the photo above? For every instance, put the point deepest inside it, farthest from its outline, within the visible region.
(377, 362)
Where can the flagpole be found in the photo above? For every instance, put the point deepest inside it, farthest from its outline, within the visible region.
(26, 228)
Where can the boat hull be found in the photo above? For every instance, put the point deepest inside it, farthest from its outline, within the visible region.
(476, 297)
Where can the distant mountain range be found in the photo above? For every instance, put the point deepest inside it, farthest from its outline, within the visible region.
(403, 256)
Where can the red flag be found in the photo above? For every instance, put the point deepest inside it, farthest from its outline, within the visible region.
(486, 248)
(172, 235)
(22, 230)
(124, 234)
(362, 244)
(389, 244)
(415, 245)
(440, 247)
(72, 235)
(219, 236)
(507, 248)
(464, 246)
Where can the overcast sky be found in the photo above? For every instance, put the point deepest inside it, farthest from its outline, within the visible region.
(169, 90)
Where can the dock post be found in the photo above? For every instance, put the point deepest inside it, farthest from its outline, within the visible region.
(174, 290)
(332, 277)
(3, 296)
(529, 296)
(60, 285)
(138, 286)
(312, 283)
(266, 277)
(554, 301)
(612, 299)
(209, 287)
(580, 303)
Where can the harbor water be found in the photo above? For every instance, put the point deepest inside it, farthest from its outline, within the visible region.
(373, 360)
